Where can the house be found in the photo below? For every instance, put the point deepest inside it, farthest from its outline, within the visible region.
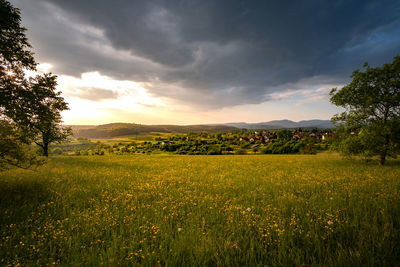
(296, 136)
(326, 135)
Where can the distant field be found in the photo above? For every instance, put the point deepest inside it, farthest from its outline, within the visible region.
(201, 210)
(118, 130)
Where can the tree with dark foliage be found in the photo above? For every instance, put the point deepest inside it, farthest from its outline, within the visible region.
(44, 113)
(23, 102)
(14, 59)
(372, 117)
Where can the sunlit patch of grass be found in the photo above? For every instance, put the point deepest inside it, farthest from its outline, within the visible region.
(201, 210)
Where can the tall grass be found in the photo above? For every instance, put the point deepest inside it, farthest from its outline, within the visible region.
(201, 210)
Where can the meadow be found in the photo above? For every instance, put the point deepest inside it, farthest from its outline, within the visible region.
(201, 210)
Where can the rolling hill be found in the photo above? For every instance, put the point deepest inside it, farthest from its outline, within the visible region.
(114, 130)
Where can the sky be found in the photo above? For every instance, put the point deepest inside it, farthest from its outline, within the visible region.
(206, 61)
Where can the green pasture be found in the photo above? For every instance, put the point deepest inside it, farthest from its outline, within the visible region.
(276, 210)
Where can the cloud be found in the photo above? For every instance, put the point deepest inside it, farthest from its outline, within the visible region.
(108, 92)
(93, 94)
(214, 53)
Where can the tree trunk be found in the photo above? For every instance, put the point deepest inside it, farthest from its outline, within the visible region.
(45, 141)
(383, 158)
(384, 153)
(46, 150)
(385, 150)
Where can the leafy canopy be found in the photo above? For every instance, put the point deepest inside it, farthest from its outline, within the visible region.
(372, 112)
(44, 114)
(15, 57)
(29, 109)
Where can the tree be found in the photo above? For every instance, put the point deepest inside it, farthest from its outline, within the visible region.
(44, 114)
(15, 57)
(13, 152)
(284, 134)
(372, 117)
(29, 109)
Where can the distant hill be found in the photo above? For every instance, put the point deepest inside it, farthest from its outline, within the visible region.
(279, 124)
(113, 130)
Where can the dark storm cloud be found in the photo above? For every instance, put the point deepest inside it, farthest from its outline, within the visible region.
(74, 48)
(219, 53)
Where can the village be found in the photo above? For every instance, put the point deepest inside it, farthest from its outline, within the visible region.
(266, 136)
(283, 141)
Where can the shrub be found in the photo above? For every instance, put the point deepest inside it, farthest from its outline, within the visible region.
(241, 152)
(308, 147)
(245, 145)
(283, 147)
(214, 152)
(57, 151)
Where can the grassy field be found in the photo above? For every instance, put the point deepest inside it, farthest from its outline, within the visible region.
(201, 210)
